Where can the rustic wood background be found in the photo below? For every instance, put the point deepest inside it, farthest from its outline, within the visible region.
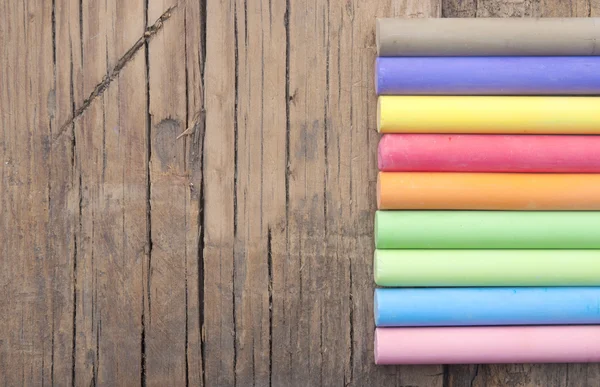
(187, 193)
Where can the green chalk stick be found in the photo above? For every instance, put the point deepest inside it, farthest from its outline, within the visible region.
(487, 229)
(487, 267)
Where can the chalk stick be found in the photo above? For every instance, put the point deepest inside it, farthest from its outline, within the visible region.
(486, 306)
(489, 153)
(422, 268)
(488, 345)
(576, 75)
(490, 36)
(487, 229)
(487, 191)
(489, 114)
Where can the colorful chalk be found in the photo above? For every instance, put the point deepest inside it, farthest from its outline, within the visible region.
(483, 37)
(488, 345)
(487, 191)
(487, 229)
(553, 75)
(423, 268)
(486, 306)
(489, 153)
(489, 114)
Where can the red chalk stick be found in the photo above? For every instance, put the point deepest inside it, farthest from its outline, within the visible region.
(489, 153)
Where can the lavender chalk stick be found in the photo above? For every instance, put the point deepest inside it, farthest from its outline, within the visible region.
(577, 75)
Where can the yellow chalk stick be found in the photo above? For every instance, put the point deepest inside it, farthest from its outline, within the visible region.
(488, 114)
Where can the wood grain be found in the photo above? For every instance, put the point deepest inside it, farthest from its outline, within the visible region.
(187, 193)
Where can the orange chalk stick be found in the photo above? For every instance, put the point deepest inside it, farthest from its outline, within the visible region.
(487, 191)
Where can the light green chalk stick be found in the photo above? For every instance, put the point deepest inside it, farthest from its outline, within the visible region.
(487, 267)
(487, 229)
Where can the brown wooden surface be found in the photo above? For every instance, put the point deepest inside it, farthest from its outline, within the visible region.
(187, 193)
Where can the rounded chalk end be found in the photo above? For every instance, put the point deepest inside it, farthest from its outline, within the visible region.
(379, 114)
(376, 66)
(375, 227)
(378, 191)
(377, 37)
(381, 149)
(375, 309)
(375, 272)
(375, 351)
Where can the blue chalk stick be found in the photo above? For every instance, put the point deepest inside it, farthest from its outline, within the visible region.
(575, 75)
(486, 306)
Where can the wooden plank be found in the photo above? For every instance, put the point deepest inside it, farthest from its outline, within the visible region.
(120, 291)
(219, 157)
(87, 140)
(173, 203)
(549, 375)
(110, 164)
(176, 130)
(345, 241)
(64, 188)
(305, 276)
(259, 238)
(31, 298)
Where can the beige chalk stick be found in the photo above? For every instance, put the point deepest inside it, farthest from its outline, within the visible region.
(488, 37)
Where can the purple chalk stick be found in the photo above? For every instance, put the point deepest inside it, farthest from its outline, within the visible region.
(546, 75)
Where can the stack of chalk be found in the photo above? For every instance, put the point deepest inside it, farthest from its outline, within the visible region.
(488, 230)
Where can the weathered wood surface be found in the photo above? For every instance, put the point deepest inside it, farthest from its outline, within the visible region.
(187, 193)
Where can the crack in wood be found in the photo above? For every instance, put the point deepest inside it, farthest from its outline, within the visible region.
(112, 74)
(286, 22)
(235, 193)
(185, 168)
(199, 135)
(351, 322)
(270, 291)
(148, 247)
(446, 379)
(51, 123)
(475, 374)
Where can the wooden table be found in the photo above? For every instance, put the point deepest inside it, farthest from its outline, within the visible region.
(187, 193)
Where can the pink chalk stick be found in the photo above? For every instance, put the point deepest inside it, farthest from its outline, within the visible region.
(489, 153)
(488, 345)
